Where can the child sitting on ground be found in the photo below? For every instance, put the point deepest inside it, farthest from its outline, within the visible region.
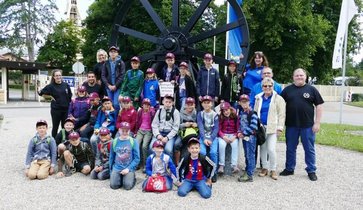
(42, 153)
(102, 169)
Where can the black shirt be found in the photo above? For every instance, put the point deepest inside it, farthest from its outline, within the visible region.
(61, 93)
(300, 102)
(96, 88)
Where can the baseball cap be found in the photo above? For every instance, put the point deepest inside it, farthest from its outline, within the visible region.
(225, 105)
(232, 62)
(113, 48)
(207, 98)
(208, 56)
(94, 95)
(190, 100)
(183, 64)
(135, 58)
(41, 122)
(158, 143)
(125, 125)
(244, 97)
(70, 120)
(126, 99)
(81, 89)
(73, 135)
(169, 55)
(146, 101)
(105, 98)
(193, 140)
(150, 71)
(104, 131)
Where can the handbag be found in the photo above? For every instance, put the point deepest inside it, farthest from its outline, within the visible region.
(156, 184)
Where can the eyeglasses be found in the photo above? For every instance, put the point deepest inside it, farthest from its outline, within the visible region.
(265, 86)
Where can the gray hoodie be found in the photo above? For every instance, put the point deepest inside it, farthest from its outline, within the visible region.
(170, 126)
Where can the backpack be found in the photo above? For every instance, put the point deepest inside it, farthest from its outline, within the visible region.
(114, 142)
(108, 146)
(260, 132)
(35, 140)
(64, 138)
(172, 113)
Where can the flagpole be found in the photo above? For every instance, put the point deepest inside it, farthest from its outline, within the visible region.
(343, 74)
(227, 39)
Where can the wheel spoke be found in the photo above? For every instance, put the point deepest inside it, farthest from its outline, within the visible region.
(159, 23)
(200, 54)
(118, 20)
(193, 20)
(148, 56)
(138, 34)
(214, 32)
(175, 14)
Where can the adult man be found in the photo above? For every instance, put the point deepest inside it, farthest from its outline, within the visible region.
(92, 86)
(257, 88)
(302, 100)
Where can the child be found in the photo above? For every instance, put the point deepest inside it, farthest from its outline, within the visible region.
(248, 126)
(158, 164)
(42, 153)
(228, 128)
(102, 169)
(62, 135)
(127, 114)
(208, 79)
(165, 125)
(78, 157)
(106, 117)
(78, 108)
(132, 83)
(144, 134)
(208, 130)
(151, 88)
(86, 131)
(231, 85)
(185, 87)
(188, 126)
(170, 70)
(124, 158)
(195, 171)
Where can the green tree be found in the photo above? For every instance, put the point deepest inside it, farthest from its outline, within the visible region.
(24, 23)
(61, 46)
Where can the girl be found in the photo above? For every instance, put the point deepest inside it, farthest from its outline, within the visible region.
(228, 128)
(252, 74)
(151, 88)
(101, 58)
(185, 86)
(127, 114)
(231, 85)
(78, 108)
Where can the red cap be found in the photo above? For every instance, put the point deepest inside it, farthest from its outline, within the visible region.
(105, 98)
(41, 122)
(82, 89)
(104, 131)
(225, 105)
(113, 48)
(183, 64)
(207, 98)
(146, 101)
(190, 100)
(208, 56)
(135, 58)
(70, 120)
(232, 62)
(150, 71)
(125, 125)
(126, 99)
(244, 97)
(169, 55)
(191, 140)
(73, 135)
(94, 95)
(158, 143)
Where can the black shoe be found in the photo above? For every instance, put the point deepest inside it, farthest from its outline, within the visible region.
(286, 173)
(312, 176)
(214, 178)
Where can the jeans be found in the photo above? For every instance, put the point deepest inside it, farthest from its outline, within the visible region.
(94, 141)
(204, 190)
(269, 148)
(182, 102)
(102, 175)
(222, 151)
(308, 141)
(58, 117)
(213, 149)
(113, 95)
(168, 147)
(143, 138)
(118, 180)
(249, 148)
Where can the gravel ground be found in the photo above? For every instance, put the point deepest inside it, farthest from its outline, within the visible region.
(339, 184)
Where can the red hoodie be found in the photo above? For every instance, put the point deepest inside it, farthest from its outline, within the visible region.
(127, 115)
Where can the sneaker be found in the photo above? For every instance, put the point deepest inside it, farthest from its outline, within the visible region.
(245, 178)
(263, 172)
(286, 173)
(235, 169)
(68, 171)
(214, 178)
(274, 175)
(221, 169)
(312, 176)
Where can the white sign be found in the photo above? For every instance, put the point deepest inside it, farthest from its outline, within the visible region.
(78, 68)
(166, 88)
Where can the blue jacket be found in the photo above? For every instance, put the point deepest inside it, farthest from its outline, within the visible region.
(252, 77)
(208, 82)
(167, 162)
(41, 149)
(119, 73)
(200, 122)
(151, 91)
(247, 128)
(257, 88)
(102, 116)
(78, 109)
(124, 155)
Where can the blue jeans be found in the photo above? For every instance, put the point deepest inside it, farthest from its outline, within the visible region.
(249, 148)
(102, 175)
(113, 95)
(222, 151)
(204, 190)
(94, 140)
(168, 147)
(118, 180)
(213, 149)
(308, 141)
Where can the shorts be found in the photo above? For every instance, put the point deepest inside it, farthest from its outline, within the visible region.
(80, 165)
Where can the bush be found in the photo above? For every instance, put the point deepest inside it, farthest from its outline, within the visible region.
(357, 97)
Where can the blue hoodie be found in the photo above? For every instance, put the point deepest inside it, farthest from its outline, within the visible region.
(124, 155)
(151, 91)
(252, 77)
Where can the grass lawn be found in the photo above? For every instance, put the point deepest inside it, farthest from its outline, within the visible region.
(356, 103)
(339, 136)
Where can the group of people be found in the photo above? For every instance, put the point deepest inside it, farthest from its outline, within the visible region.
(118, 123)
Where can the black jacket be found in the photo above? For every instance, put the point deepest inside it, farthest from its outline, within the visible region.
(190, 90)
(226, 93)
(97, 69)
(208, 166)
(61, 93)
(120, 72)
(174, 73)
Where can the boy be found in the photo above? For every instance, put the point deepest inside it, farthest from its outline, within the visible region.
(208, 79)
(185, 87)
(62, 135)
(248, 126)
(208, 130)
(124, 158)
(159, 163)
(87, 130)
(170, 70)
(78, 157)
(102, 169)
(42, 153)
(132, 84)
(165, 125)
(195, 171)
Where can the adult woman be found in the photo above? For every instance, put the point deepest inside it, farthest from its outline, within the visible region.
(252, 74)
(270, 107)
(101, 58)
(61, 95)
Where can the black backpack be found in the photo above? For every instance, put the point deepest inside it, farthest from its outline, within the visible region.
(260, 132)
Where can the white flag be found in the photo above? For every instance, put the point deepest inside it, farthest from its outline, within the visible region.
(347, 12)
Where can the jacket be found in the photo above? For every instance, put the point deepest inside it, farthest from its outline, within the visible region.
(167, 163)
(119, 72)
(208, 82)
(92, 113)
(102, 158)
(41, 149)
(202, 129)
(276, 112)
(173, 74)
(132, 84)
(228, 126)
(127, 115)
(189, 88)
(139, 117)
(257, 88)
(252, 77)
(151, 91)
(208, 165)
(102, 116)
(78, 109)
(246, 127)
(231, 87)
(184, 117)
(61, 93)
(171, 126)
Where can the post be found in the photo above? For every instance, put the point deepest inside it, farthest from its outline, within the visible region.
(343, 75)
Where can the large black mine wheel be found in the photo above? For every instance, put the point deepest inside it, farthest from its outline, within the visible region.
(177, 39)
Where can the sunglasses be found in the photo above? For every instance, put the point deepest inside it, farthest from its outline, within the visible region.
(265, 86)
